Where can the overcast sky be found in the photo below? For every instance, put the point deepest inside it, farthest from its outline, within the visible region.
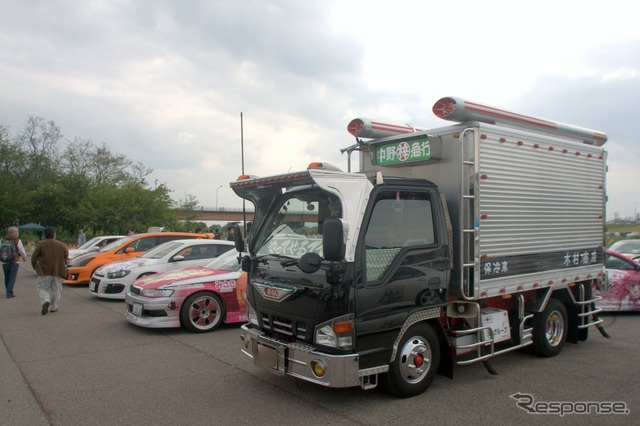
(164, 82)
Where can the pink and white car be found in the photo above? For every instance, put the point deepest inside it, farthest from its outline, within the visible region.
(621, 289)
(197, 298)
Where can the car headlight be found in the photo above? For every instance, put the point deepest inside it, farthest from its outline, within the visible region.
(118, 274)
(337, 333)
(81, 262)
(156, 293)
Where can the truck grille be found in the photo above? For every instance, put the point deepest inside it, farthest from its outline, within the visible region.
(285, 326)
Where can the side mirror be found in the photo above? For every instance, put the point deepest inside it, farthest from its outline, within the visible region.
(237, 238)
(178, 258)
(129, 250)
(333, 240)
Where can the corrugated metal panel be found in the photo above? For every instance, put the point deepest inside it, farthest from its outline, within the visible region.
(537, 197)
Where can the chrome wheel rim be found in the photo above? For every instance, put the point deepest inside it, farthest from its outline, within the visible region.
(204, 312)
(555, 328)
(415, 359)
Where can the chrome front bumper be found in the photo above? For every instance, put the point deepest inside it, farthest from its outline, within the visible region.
(295, 359)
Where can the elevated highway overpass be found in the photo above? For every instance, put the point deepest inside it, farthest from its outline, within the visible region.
(225, 214)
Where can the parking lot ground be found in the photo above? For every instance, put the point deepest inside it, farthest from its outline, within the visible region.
(85, 365)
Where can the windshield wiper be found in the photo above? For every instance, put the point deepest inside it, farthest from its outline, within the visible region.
(285, 260)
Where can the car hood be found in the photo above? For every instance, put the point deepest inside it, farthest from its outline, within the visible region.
(185, 276)
(127, 264)
(76, 252)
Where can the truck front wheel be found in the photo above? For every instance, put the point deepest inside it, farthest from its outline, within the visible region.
(416, 362)
(550, 329)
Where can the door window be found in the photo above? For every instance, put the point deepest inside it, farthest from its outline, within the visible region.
(399, 220)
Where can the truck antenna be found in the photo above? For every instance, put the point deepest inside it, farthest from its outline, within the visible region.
(244, 209)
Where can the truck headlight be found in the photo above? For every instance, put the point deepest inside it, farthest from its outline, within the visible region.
(337, 333)
(251, 315)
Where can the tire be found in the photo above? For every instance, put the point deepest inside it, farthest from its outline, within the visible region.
(416, 363)
(202, 312)
(550, 329)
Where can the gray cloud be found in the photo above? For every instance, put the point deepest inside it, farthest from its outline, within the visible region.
(164, 82)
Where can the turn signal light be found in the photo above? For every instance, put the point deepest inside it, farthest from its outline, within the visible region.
(343, 326)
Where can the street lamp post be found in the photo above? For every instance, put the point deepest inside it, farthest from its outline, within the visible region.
(217, 189)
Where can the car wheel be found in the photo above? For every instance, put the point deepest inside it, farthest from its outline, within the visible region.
(202, 312)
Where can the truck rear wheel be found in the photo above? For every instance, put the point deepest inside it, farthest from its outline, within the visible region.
(416, 363)
(550, 329)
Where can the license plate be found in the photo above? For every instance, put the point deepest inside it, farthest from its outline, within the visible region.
(137, 309)
(93, 286)
(270, 358)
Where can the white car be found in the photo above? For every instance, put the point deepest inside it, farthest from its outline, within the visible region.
(112, 281)
(94, 244)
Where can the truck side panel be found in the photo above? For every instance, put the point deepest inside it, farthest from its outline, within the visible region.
(539, 210)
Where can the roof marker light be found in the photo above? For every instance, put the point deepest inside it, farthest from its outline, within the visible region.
(244, 177)
(373, 129)
(460, 110)
(324, 166)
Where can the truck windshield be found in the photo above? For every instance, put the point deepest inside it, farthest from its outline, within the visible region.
(294, 226)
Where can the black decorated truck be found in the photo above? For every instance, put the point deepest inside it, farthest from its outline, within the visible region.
(448, 246)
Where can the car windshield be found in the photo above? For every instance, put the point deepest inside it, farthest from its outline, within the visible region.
(89, 243)
(226, 262)
(295, 228)
(162, 250)
(117, 243)
(626, 246)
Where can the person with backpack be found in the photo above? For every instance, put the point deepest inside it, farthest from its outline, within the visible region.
(11, 251)
(49, 259)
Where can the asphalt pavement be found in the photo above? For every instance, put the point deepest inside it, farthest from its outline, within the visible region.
(85, 365)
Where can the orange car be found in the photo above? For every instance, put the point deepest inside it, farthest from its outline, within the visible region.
(80, 269)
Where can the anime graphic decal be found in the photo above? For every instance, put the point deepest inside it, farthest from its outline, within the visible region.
(621, 291)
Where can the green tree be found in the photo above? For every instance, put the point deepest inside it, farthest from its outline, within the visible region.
(87, 187)
(40, 140)
(12, 174)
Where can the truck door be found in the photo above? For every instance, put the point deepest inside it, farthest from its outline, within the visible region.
(404, 261)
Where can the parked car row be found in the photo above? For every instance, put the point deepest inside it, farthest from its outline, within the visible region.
(168, 279)
(114, 279)
(81, 268)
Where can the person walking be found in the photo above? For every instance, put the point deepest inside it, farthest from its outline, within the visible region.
(14, 249)
(82, 238)
(49, 259)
